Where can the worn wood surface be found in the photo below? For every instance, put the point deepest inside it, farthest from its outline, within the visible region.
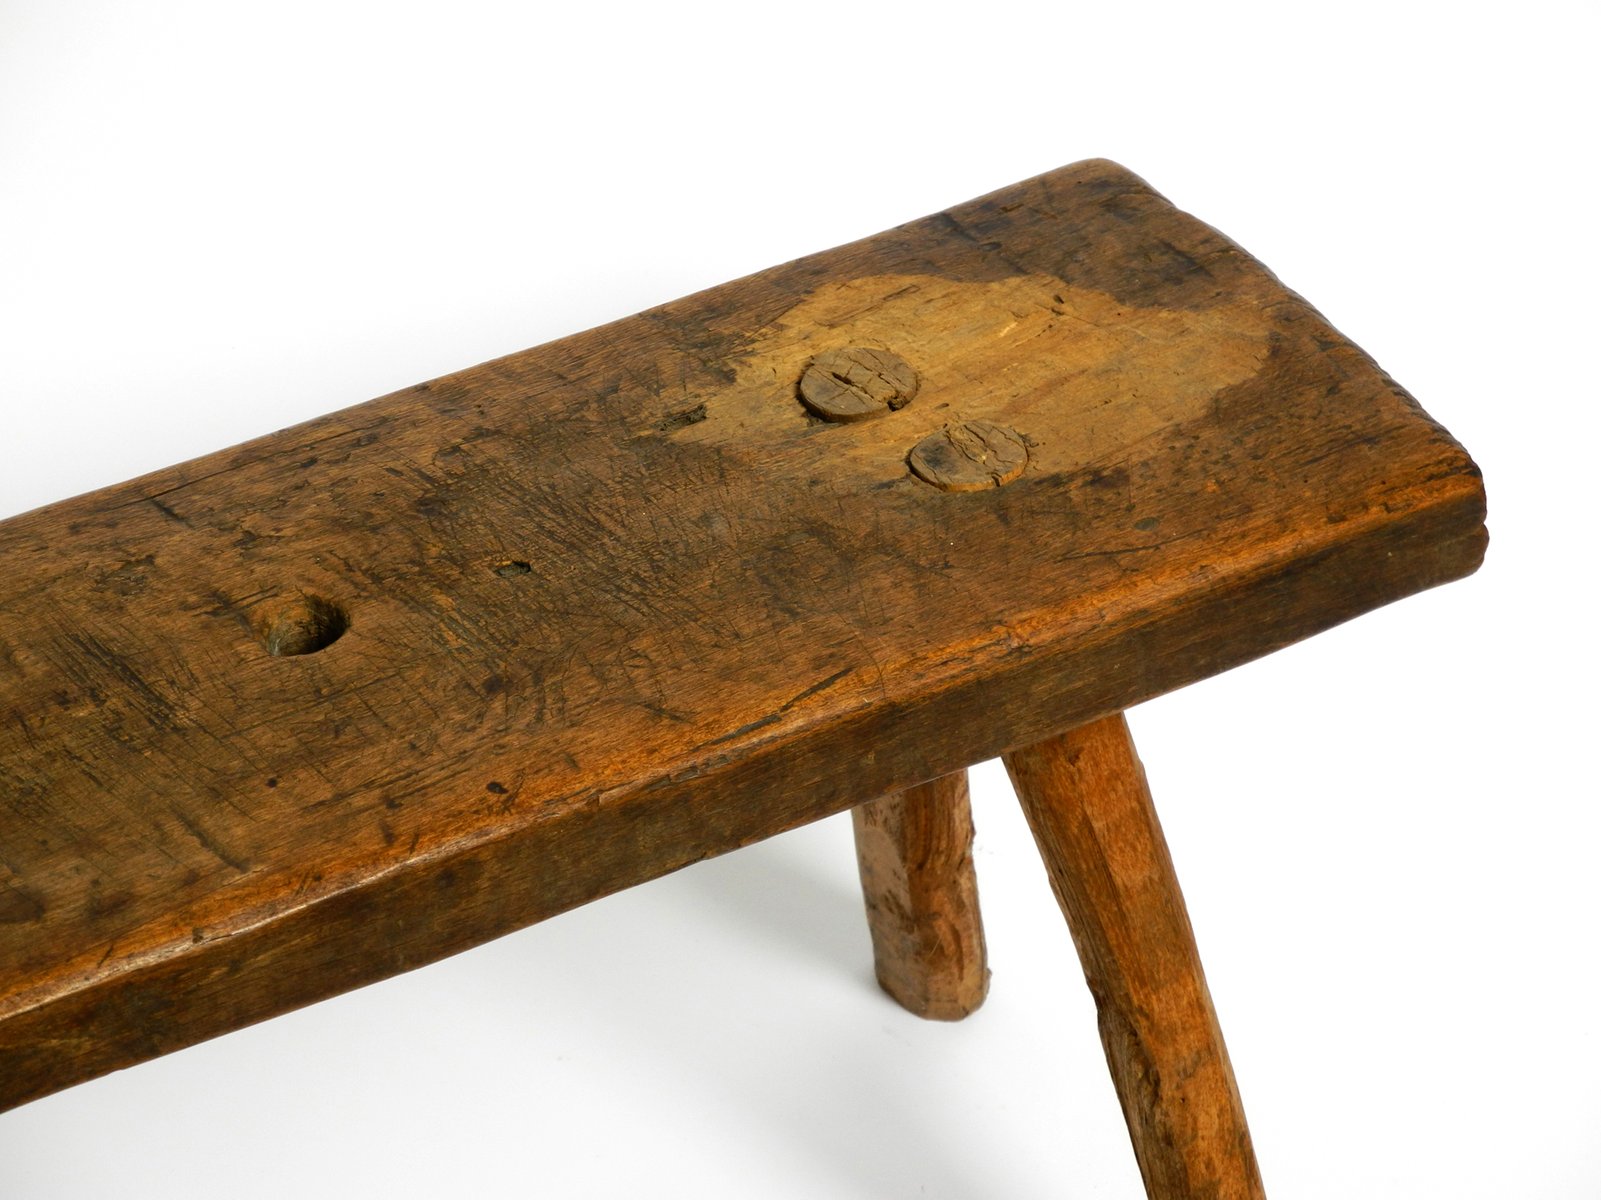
(1086, 799)
(357, 695)
(915, 853)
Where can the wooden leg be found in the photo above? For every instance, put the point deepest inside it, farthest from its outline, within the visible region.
(915, 851)
(1087, 801)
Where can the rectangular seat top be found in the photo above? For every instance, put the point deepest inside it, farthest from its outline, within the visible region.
(365, 692)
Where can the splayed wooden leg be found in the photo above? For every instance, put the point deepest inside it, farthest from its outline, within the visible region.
(915, 851)
(1087, 801)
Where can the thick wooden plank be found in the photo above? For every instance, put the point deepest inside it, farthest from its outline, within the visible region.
(1087, 801)
(915, 853)
(580, 616)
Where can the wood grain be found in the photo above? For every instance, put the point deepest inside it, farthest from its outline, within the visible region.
(915, 853)
(1087, 801)
(577, 617)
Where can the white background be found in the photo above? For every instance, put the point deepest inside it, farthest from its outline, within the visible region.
(220, 219)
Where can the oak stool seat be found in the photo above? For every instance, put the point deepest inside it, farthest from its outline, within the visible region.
(354, 696)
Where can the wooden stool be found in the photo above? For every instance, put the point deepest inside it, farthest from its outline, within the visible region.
(300, 715)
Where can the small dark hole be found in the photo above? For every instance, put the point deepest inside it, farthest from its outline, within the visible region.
(304, 626)
(512, 567)
(678, 420)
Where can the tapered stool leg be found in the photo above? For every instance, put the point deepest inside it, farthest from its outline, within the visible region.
(915, 851)
(1087, 801)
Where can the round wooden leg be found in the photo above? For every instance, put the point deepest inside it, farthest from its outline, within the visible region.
(1087, 801)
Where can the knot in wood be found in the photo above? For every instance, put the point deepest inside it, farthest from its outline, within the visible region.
(969, 456)
(856, 383)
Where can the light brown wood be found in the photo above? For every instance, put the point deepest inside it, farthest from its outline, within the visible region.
(915, 853)
(1090, 809)
(360, 694)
